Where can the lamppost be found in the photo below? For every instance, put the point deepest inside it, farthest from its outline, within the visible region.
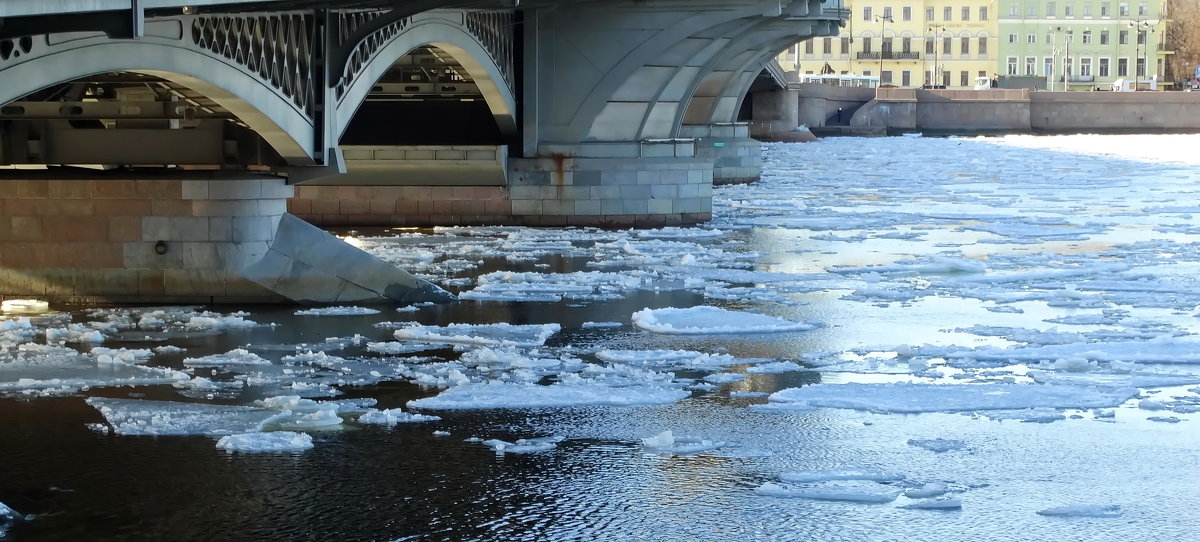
(884, 19)
(1141, 25)
(937, 30)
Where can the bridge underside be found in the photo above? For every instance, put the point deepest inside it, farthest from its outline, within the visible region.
(592, 113)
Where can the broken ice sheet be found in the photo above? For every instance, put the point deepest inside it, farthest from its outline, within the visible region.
(529, 336)
(711, 320)
(524, 395)
(38, 369)
(914, 398)
(144, 417)
(276, 441)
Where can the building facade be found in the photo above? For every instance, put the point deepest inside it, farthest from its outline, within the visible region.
(1083, 44)
(945, 43)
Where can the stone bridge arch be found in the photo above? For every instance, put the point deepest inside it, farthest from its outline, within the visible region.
(223, 60)
(452, 32)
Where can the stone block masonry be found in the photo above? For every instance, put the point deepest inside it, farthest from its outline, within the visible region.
(651, 183)
(191, 238)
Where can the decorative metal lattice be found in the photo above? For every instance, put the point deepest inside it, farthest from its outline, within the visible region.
(278, 47)
(494, 31)
(364, 50)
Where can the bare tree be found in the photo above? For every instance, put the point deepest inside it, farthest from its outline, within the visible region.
(1183, 37)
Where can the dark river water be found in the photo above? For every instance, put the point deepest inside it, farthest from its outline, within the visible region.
(1092, 254)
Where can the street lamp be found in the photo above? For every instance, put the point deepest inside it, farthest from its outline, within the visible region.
(1142, 25)
(937, 30)
(884, 20)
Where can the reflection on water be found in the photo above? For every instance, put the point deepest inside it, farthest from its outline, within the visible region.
(413, 482)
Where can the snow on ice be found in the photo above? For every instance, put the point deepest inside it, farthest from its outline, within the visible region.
(711, 320)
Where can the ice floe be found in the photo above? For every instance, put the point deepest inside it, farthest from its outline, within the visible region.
(393, 416)
(481, 334)
(276, 441)
(520, 395)
(145, 417)
(711, 320)
(916, 397)
(1083, 511)
(337, 311)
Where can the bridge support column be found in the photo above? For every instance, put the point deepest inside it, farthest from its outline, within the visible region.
(181, 239)
(735, 156)
(647, 183)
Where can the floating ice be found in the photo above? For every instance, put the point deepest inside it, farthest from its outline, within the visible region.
(952, 503)
(710, 320)
(24, 306)
(774, 368)
(520, 395)
(938, 445)
(588, 325)
(393, 416)
(667, 442)
(932, 489)
(912, 398)
(239, 356)
(724, 378)
(277, 441)
(143, 417)
(337, 311)
(844, 474)
(481, 334)
(675, 359)
(1084, 511)
(829, 493)
(523, 446)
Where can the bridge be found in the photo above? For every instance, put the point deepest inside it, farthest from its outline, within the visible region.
(188, 150)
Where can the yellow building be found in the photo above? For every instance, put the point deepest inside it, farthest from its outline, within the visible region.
(906, 44)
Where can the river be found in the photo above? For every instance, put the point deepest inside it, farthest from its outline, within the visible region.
(906, 338)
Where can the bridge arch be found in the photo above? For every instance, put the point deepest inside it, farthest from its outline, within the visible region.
(285, 128)
(464, 47)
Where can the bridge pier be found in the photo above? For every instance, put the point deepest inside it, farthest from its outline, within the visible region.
(735, 156)
(180, 239)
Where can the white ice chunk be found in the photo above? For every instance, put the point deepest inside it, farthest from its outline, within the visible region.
(951, 503)
(239, 356)
(912, 398)
(932, 489)
(1084, 511)
(482, 334)
(337, 311)
(829, 493)
(774, 368)
(709, 320)
(141, 417)
(521, 395)
(523, 446)
(938, 445)
(277, 441)
(393, 416)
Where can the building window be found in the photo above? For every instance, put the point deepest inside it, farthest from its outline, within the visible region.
(808, 46)
(1068, 10)
(966, 46)
(1087, 37)
(1141, 37)
(964, 78)
(1014, 9)
(1048, 66)
(1103, 37)
(1049, 38)
(1031, 39)
(1105, 9)
(866, 45)
(1051, 9)
(1030, 65)
(827, 46)
(1122, 67)
(929, 46)
(1103, 68)
(906, 44)
(966, 13)
(887, 12)
(947, 13)
(983, 46)
(1142, 9)
(983, 13)
(845, 46)
(885, 77)
(1141, 67)
(885, 46)
(867, 13)
(1123, 9)
(1087, 10)
(866, 73)
(906, 78)
(906, 13)
(1012, 38)
(929, 14)
(1123, 37)
(946, 45)
(1085, 67)
(1012, 65)
(1031, 10)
